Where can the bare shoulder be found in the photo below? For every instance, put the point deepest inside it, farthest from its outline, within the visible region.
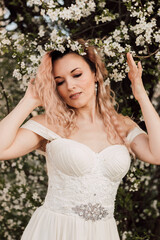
(128, 123)
(39, 118)
(42, 119)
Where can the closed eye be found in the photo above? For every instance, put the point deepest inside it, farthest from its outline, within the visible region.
(60, 83)
(77, 75)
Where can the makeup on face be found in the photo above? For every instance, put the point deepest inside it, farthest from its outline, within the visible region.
(74, 79)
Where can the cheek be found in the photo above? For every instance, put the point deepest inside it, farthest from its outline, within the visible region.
(61, 92)
(87, 80)
(89, 84)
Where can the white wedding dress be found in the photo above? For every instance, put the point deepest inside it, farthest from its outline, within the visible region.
(82, 187)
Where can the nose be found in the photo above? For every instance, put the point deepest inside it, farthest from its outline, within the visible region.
(70, 84)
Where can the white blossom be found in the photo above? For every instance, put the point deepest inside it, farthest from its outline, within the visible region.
(157, 56)
(41, 31)
(6, 42)
(157, 36)
(17, 74)
(54, 35)
(40, 50)
(34, 2)
(102, 4)
(22, 65)
(34, 59)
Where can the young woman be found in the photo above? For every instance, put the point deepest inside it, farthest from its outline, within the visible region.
(85, 141)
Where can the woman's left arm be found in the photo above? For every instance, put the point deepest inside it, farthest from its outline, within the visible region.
(146, 147)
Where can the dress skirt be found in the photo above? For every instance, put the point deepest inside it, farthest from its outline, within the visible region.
(48, 225)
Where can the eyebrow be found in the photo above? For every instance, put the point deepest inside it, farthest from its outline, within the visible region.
(71, 72)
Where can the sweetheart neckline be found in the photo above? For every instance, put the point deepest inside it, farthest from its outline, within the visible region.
(86, 146)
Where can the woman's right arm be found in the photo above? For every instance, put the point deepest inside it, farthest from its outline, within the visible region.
(16, 141)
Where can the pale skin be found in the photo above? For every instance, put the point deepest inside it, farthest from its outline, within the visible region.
(73, 75)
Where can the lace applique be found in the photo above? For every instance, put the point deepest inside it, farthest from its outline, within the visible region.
(68, 194)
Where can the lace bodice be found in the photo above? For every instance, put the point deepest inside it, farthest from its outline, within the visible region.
(79, 178)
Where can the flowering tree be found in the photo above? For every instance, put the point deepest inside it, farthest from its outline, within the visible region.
(28, 28)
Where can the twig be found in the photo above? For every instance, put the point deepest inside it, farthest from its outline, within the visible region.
(151, 54)
(5, 96)
(4, 19)
(93, 27)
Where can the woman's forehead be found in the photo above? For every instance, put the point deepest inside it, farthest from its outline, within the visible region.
(68, 63)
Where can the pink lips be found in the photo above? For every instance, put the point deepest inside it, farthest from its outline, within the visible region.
(75, 95)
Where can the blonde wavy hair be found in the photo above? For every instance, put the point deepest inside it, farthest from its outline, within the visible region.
(63, 116)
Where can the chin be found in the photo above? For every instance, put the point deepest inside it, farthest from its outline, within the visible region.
(77, 105)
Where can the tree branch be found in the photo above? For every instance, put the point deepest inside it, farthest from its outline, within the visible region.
(4, 19)
(98, 26)
(151, 54)
(5, 96)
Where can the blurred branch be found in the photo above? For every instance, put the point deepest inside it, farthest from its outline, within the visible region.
(5, 96)
(91, 28)
(112, 24)
(4, 19)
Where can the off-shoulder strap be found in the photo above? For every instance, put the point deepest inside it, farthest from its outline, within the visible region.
(40, 130)
(133, 133)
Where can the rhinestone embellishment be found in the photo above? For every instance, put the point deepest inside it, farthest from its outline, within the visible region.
(91, 211)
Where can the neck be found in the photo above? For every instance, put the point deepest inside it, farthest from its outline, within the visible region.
(88, 113)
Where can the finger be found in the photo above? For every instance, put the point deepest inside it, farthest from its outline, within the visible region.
(140, 69)
(130, 60)
(139, 65)
(32, 81)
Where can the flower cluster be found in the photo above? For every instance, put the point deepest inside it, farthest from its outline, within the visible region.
(29, 58)
(145, 29)
(16, 193)
(82, 8)
(106, 16)
(112, 46)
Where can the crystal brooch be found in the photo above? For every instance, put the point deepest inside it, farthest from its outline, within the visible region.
(90, 211)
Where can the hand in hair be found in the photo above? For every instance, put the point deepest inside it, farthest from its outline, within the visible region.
(31, 93)
(135, 76)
